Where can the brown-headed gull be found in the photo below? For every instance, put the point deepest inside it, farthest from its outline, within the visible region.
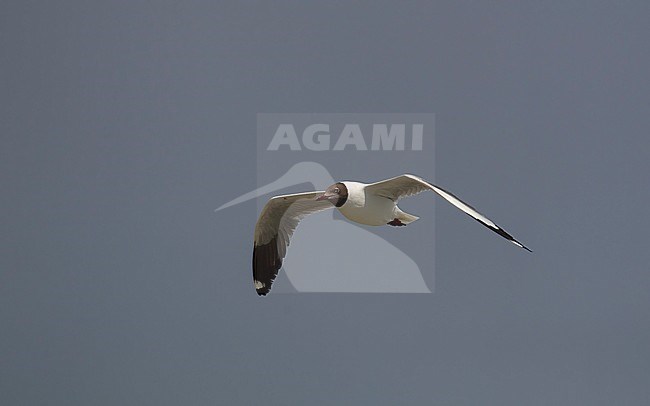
(373, 204)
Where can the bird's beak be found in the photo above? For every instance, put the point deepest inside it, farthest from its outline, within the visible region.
(325, 196)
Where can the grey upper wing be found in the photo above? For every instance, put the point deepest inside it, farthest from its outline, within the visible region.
(408, 185)
(273, 230)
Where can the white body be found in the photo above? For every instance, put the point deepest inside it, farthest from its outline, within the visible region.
(367, 208)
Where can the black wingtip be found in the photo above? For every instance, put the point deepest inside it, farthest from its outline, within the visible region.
(266, 264)
(262, 289)
(518, 244)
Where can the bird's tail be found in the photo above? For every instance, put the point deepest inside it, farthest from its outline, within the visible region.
(405, 217)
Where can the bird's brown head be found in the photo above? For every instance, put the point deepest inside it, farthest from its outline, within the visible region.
(337, 194)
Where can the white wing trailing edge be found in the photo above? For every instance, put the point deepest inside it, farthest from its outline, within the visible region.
(408, 185)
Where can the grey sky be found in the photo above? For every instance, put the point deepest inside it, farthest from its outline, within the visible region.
(124, 124)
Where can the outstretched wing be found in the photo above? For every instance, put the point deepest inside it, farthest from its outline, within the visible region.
(408, 185)
(274, 228)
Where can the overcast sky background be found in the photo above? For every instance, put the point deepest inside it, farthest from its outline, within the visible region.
(125, 123)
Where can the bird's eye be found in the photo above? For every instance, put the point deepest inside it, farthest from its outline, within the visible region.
(336, 190)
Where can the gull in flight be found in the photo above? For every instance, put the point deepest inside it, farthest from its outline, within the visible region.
(373, 204)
